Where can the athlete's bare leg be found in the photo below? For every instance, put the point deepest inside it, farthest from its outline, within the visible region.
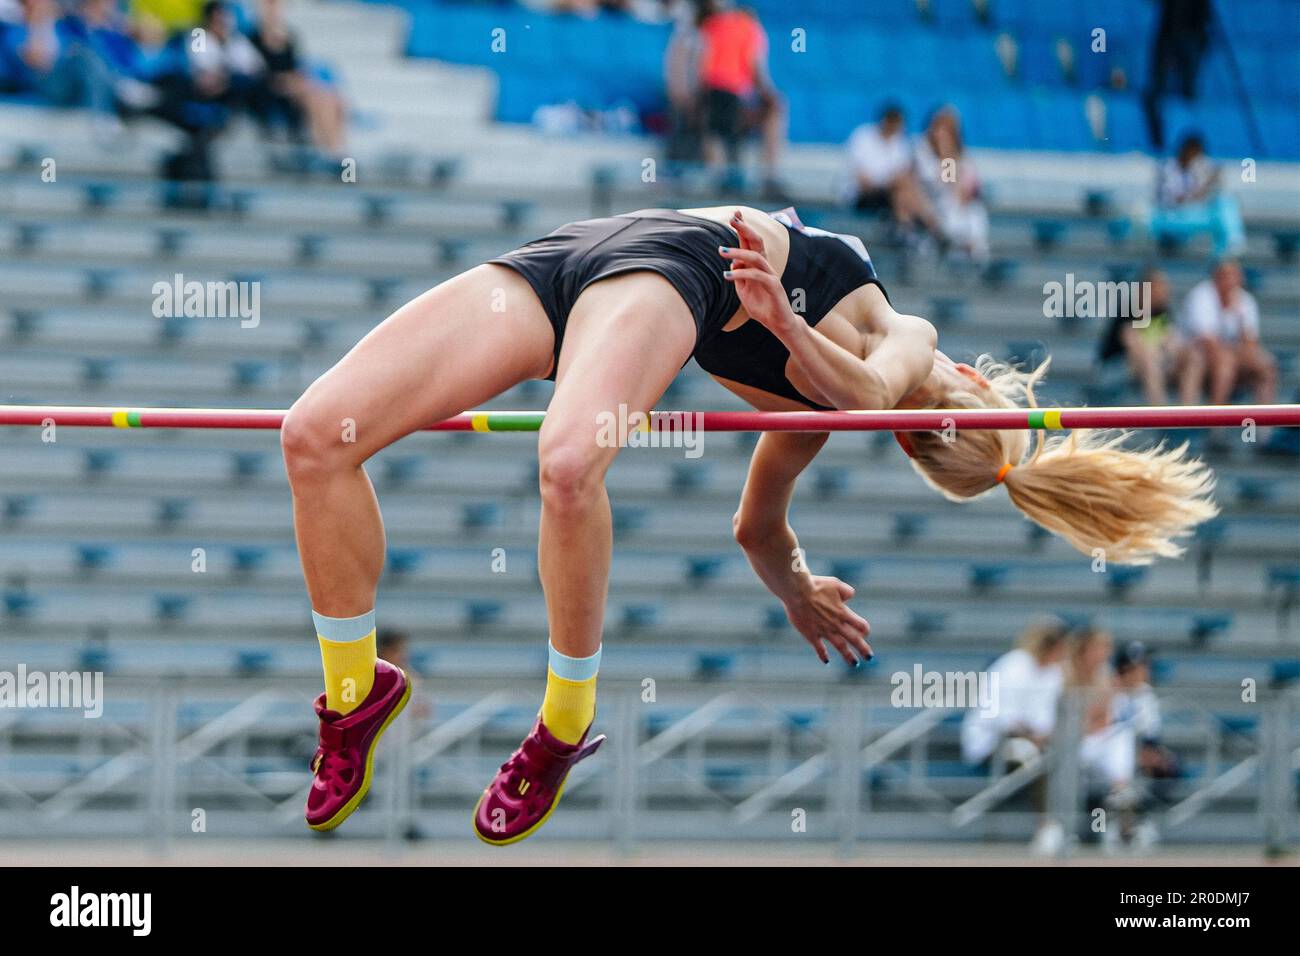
(450, 349)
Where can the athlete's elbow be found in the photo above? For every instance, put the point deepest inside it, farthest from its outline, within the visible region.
(751, 534)
(743, 531)
(930, 335)
(868, 392)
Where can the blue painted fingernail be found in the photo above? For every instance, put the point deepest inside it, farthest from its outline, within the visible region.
(724, 249)
(871, 657)
(727, 274)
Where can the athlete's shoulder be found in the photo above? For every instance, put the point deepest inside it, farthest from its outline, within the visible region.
(789, 217)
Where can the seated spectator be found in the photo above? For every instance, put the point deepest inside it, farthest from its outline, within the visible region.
(209, 73)
(1030, 679)
(1016, 730)
(1144, 336)
(1108, 748)
(1219, 326)
(737, 94)
(1108, 751)
(294, 92)
(100, 26)
(884, 175)
(1136, 706)
(952, 185)
(223, 63)
(42, 54)
(1190, 200)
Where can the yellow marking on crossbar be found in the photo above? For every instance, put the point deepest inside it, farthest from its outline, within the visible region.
(479, 423)
(1052, 418)
(119, 419)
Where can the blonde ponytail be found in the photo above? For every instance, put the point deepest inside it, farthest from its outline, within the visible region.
(1126, 505)
(1131, 506)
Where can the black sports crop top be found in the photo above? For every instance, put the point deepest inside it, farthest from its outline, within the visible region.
(821, 270)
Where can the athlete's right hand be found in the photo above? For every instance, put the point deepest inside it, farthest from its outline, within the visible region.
(757, 285)
(822, 615)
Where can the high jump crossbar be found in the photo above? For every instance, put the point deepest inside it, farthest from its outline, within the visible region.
(1203, 416)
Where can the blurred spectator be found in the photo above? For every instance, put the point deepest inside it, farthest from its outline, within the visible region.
(682, 82)
(47, 54)
(884, 177)
(1144, 336)
(1108, 750)
(1181, 38)
(223, 63)
(952, 185)
(1189, 200)
(214, 71)
(1016, 730)
(100, 27)
(1030, 678)
(1220, 328)
(737, 94)
(1135, 705)
(292, 91)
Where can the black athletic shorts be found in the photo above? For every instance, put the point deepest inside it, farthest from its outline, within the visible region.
(681, 248)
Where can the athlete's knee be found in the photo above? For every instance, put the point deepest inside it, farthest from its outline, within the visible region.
(316, 443)
(569, 475)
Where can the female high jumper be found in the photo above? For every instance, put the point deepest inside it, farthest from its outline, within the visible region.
(788, 318)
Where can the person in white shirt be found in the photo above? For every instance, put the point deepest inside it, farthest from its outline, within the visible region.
(223, 63)
(1136, 706)
(952, 184)
(1190, 200)
(1029, 683)
(883, 176)
(1108, 750)
(1219, 326)
(1016, 729)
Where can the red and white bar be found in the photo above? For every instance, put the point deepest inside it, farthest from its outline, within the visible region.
(1208, 416)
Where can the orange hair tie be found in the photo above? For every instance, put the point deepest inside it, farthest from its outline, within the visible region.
(1002, 473)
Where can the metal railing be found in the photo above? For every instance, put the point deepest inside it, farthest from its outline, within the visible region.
(735, 760)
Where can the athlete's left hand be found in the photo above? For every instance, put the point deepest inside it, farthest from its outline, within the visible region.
(822, 615)
(757, 284)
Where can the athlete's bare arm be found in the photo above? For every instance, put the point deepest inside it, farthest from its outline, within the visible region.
(814, 603)
(867, 357)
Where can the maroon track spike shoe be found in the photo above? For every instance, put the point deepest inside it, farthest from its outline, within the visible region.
(527, 788)
(344, 761)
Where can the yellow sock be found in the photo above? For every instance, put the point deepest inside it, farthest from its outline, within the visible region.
(569, 706)
(349, 663)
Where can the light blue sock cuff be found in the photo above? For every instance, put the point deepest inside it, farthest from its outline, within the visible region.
(574, 668)
(344, 630)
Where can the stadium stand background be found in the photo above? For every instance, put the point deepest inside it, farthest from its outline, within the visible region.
(99, 530)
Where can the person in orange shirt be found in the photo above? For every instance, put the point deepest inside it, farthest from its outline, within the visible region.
(736, 91)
